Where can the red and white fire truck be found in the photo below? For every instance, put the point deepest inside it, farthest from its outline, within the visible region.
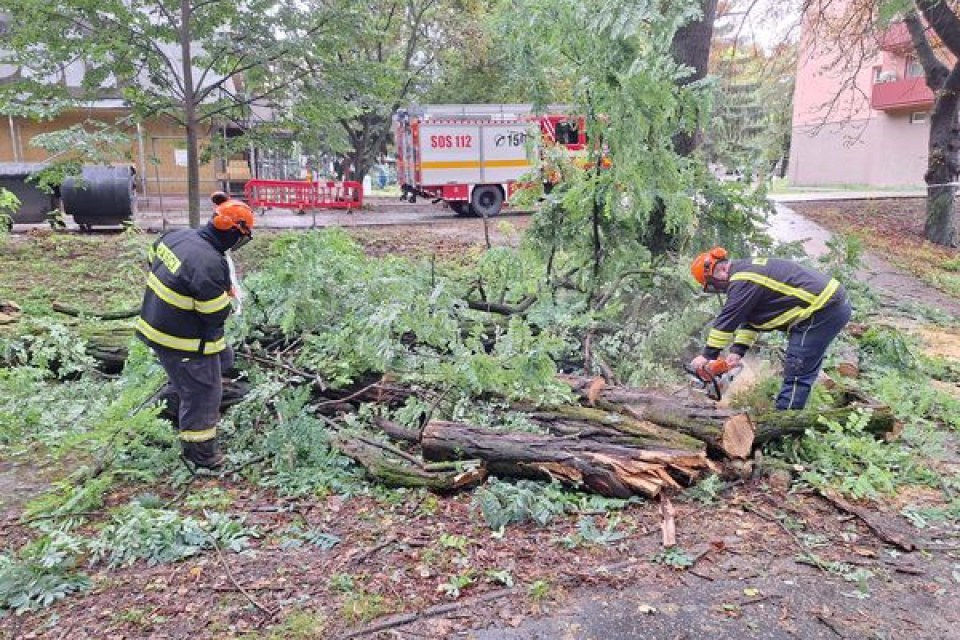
(472, 155)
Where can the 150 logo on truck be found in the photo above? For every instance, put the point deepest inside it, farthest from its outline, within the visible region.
(511, 139)
(451, 142)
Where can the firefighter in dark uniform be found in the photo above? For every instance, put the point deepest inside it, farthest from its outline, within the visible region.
(185, 306)
(767, 294)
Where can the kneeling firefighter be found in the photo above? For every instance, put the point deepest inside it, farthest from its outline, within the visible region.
(767, 294)
(185, 306)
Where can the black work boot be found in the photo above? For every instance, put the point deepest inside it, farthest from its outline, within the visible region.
(203, 454)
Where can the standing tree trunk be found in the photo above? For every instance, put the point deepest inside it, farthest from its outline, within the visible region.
(691, 47)
(190, 116)
(942, 165)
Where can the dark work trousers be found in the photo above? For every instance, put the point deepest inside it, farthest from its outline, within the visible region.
(197, 383)
(807, 344)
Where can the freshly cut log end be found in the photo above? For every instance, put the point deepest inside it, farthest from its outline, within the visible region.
(737, 437)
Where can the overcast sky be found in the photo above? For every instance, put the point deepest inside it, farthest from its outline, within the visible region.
(768, 22)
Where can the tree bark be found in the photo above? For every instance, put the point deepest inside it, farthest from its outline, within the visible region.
(101, 315)
(691, 47)
(780, 424)
(622, 427)
(191, 125)
(392, 472)
(603, 467)
(728, 432)
(942, 165)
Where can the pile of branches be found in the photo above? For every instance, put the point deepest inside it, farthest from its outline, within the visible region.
(616, 441)
(389, 333)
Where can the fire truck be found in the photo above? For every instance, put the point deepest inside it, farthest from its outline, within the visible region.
(472, 156)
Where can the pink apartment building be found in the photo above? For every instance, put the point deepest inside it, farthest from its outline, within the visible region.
(866, 126)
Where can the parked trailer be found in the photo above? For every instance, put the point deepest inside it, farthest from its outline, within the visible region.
(301, 195)
(472, 156)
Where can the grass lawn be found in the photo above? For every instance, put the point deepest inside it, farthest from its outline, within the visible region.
(100, 272)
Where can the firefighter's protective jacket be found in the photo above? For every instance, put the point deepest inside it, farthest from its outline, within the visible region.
(765, 294)
(187, 301)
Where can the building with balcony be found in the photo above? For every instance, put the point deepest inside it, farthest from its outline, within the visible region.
(865, 124)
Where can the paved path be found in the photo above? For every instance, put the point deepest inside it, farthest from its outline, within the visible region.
(814, 195)
(895, 287)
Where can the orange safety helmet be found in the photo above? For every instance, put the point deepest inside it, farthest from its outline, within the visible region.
(233, 214)
(703, 265)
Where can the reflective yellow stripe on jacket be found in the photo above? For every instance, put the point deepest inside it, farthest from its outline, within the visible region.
(745, 337)
(186, 303)
(168, 295)
(799, 314)
(219, 303)
(180, 344)
(775, 285)
(719, 339)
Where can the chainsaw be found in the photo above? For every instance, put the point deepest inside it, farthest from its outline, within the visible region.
(713, 378)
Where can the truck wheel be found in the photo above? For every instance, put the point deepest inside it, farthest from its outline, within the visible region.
(461, 208)
(487, 200)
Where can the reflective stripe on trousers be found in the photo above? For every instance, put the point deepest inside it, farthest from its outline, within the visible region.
(198, 384)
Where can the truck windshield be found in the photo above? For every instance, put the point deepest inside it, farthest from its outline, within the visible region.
(568, 133)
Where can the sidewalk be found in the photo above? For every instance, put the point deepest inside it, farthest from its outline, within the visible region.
(813, 195)
(895, 286)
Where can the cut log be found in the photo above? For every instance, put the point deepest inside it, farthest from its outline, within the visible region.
(109, 347)
(725, 432)
(395, 472)
(570, 420)
(607, 468)
(780, 424)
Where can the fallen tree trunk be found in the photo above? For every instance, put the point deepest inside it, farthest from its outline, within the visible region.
(726, 431)
(568, 420)
(780, 424)
(603, 467)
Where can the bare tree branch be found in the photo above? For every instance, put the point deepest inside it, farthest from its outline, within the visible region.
(933, 68)
(943, 21)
